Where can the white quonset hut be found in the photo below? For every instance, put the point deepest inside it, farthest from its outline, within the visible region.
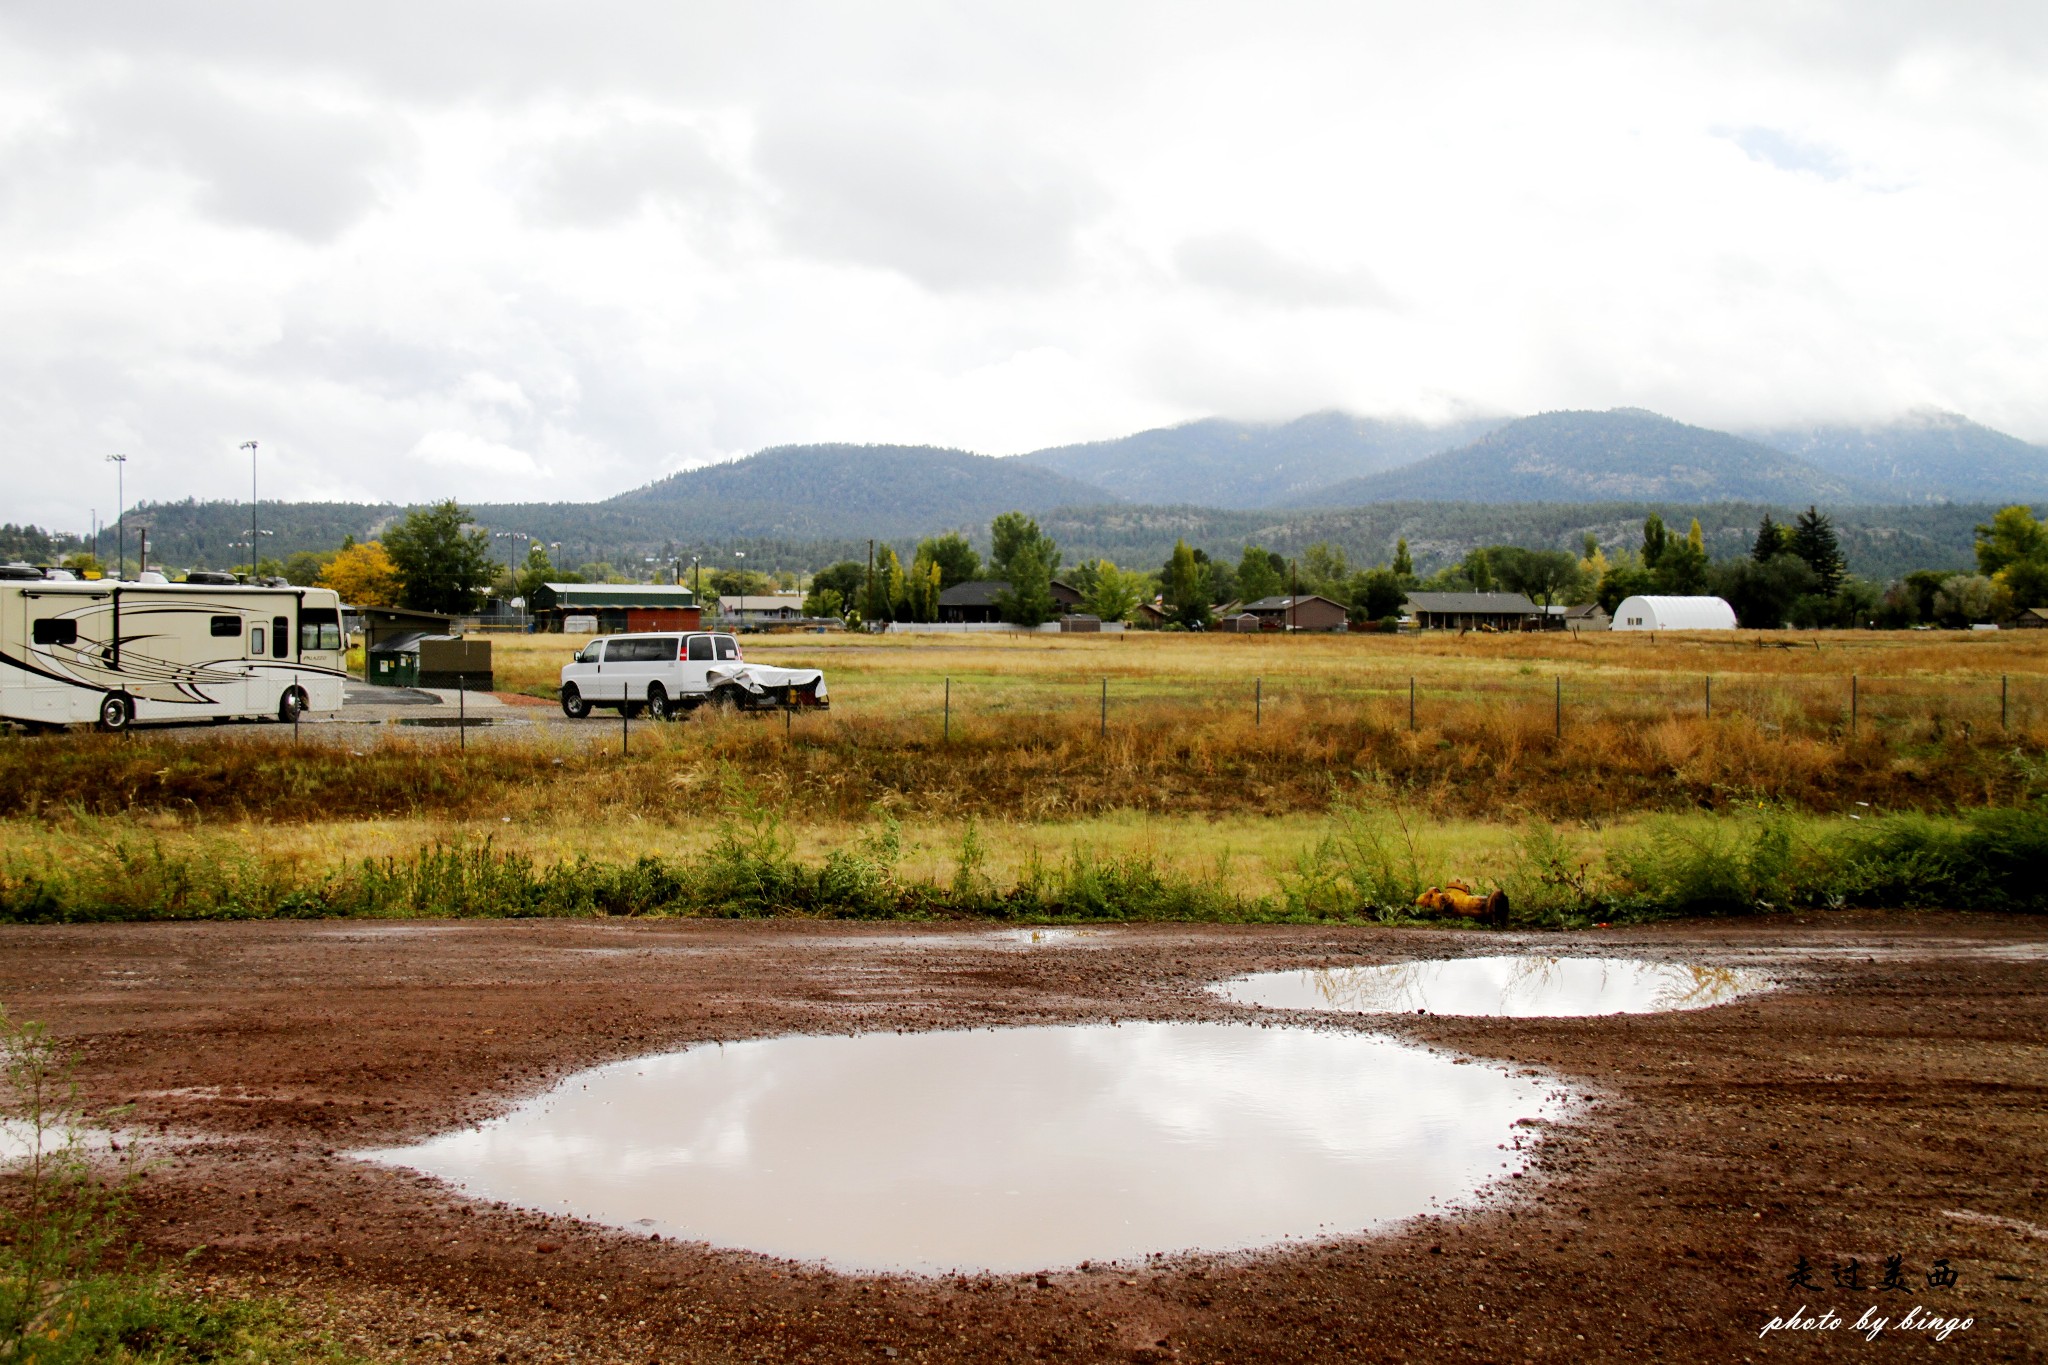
(1674, 613)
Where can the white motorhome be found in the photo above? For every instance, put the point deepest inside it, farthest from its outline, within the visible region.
(667, 674)
(114, 653)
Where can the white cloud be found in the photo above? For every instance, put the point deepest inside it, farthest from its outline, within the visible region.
(505, 251)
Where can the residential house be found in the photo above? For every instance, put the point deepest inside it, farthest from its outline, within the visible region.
(1474, 611)
(1303, 612)
(974, 602)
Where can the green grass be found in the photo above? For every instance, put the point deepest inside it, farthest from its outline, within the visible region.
(1369, 860)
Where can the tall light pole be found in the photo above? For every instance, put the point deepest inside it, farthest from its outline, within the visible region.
(250, 446)
(120, 463)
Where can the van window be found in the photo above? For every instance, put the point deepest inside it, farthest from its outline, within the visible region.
(591, 653)
(319, 628)
(700, 649)
(728, 648)
(280, 637)
(56, 631)
(225, 626)
(255, 642)
(639, 651)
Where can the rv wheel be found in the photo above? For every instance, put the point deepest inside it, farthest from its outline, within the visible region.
(291, 705)
(115, 712)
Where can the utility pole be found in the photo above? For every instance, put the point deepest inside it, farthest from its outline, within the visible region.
(250, 446)
(120, 463)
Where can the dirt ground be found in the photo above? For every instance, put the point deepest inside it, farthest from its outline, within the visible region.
(1890, 1098)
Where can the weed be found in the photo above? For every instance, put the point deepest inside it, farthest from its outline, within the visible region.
(70, 1293)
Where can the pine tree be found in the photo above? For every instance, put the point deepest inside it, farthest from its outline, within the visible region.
(1696, 538)
(1770, 541)
(1813, 540)
(1404, 566)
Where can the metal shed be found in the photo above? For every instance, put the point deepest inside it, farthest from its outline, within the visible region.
(1673, 613)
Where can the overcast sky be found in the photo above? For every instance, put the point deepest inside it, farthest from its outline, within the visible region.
(516, 250)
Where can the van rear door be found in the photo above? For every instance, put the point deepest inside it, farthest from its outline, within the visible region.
(697, 660)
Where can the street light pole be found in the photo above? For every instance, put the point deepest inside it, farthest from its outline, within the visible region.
(250, 446)
(120, 463)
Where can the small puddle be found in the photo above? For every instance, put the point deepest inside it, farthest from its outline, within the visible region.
(1520, 987)
(1004, 1149)
(1041, 938)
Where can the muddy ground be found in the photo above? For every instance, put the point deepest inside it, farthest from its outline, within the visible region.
(1889, 1098)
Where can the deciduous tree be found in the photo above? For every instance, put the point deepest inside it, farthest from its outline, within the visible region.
(364, 575)
(443, 567)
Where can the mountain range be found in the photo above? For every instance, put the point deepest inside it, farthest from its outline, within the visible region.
(1351, 478)
(1334, 459)
(1216, 462)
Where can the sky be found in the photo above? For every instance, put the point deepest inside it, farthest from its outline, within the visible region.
(515, 250)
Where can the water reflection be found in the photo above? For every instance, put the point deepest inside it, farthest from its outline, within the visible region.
(1523, 986)
(1004, 1149)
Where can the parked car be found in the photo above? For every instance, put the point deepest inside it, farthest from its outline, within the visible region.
(669, 674)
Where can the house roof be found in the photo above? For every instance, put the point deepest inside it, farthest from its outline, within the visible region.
(1474, 603)
(982, 592)
(588, 595)
(775, 601)
(977, 592)
(1271, 604)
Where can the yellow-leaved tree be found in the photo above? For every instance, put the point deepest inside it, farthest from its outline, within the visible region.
(364, 576)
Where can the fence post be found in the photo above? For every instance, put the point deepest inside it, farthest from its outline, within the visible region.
(1557, 710)
(462, 710)
(1853, 700)
(625, 727)
(948, 734)
(1258, 701)
(2001, 701)
(1411, 702)
(1710, 696)
(297, 706)
(1104, 733)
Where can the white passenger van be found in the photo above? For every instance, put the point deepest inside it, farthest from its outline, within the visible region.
(113, 653)
(668, 674)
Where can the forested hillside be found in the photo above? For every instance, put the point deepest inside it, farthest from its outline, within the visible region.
(1880, 542)
(1926, 457)
(1583, 456)
(1220, 463)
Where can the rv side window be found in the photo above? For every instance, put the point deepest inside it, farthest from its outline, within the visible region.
(255, 642)
(319, 628)
(56, 632)
(280, 637)
(700, 649)
(728, 648)
(224, 626)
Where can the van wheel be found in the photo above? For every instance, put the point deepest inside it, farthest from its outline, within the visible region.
(658, 704)
(115, 712)
(574, 706)
(291, 705)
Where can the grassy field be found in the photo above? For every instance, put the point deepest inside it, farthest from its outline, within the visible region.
(1239, 765)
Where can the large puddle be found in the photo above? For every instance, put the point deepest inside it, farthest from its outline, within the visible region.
(1521, 987)
(1004, 1149)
